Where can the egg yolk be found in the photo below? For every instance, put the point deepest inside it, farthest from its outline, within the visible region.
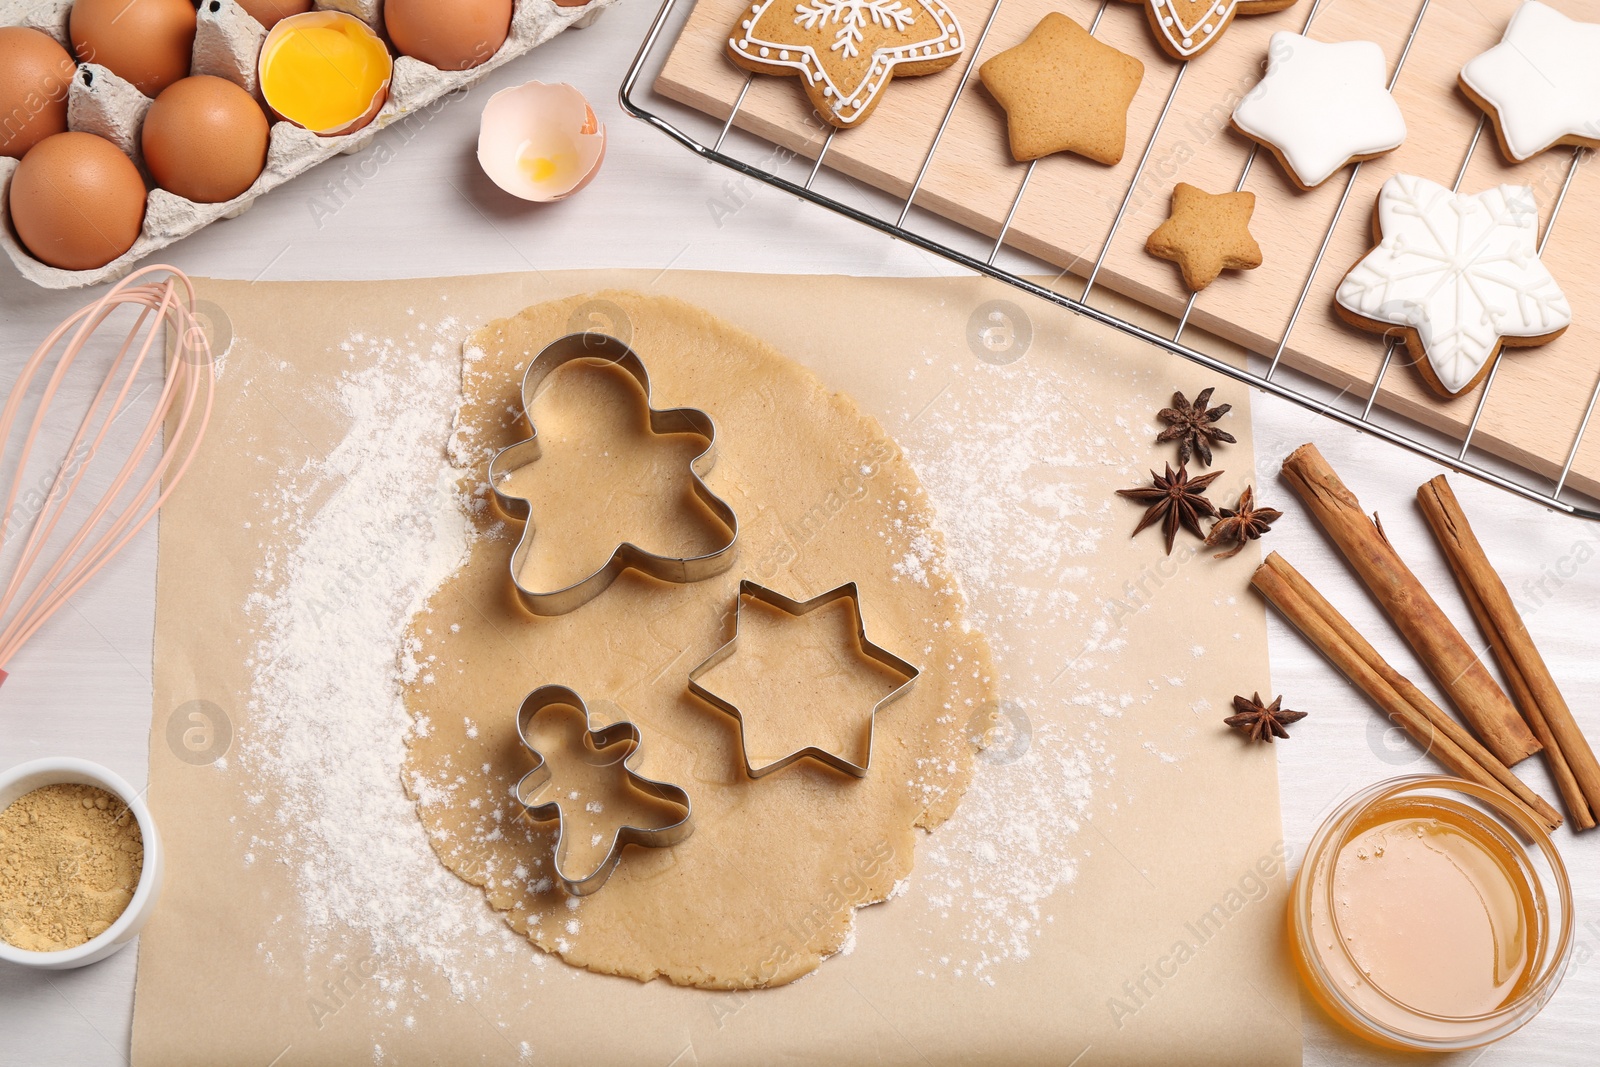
(553, 160)
(324, 75)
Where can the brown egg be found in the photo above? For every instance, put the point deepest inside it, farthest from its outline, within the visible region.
(268, 12)
(451, 36)
(205, 139)
(35, 73)
(147, 42)
(76, 201)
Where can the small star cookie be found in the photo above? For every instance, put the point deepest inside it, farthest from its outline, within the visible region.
(845, 51)
(1186, 28)
(1064, 91)
(1206, 234)
(1321, 106)
(1540, 84)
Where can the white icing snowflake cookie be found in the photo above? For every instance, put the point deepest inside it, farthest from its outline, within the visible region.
(845, 51)
(1460, 274)
(1541, 83)
(1321, 106)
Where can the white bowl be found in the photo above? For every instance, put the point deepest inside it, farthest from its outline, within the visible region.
(25, 778)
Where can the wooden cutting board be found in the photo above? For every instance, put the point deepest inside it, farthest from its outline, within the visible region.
(1066, 216)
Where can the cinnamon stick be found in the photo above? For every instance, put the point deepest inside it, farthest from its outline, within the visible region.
(1440, 646)
(1572, 761)
(1578, 806)
(1427, 724)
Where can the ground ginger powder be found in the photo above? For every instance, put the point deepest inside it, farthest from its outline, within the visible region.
(70, 859)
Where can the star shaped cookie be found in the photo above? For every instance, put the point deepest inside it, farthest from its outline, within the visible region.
(789, 672)
(1321, 106)
(845, 51)
(1541, 83)
(1064, 91)
(1206, 234)
(1460, 274)
(1186, 28)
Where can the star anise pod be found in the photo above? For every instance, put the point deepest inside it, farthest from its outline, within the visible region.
(1261, 722)
(1193, 426)
(1174, 500)
(1241, 524)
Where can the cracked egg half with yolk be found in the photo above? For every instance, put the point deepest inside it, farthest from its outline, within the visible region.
(540, 142)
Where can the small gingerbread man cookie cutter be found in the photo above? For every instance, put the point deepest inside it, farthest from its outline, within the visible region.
(526, 791)
(882, 656)
(680, 570)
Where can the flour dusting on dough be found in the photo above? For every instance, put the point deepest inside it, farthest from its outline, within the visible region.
(824, 497)
(367, 540)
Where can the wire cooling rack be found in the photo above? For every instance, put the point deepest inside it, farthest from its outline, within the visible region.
(1264, 371)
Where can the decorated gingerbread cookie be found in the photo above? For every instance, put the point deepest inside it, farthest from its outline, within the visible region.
(1459, 274)
(1206, 234)
(846, 51)
(1186, 28)
(1064, 91)
(1541, 83)
(1321, 106)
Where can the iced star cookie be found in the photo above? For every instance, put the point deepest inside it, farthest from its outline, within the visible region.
(1541, 83)
(1321, 106)
(1064, 91)
(845, 51)
(1459, 274)
(1185, 28)
(1206, 234)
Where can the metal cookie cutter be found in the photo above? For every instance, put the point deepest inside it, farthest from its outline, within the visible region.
(529, 786)
(796, 608)
(599, 347)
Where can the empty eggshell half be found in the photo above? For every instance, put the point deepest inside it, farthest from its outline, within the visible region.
(540, 142)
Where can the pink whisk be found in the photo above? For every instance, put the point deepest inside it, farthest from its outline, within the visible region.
(184, 407)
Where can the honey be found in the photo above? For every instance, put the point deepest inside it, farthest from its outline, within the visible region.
(1429, 916)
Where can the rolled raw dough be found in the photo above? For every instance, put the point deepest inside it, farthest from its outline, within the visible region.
(767, 886)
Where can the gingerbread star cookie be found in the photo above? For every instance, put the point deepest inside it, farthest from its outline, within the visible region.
(1064, 91)
(845, 51)
(1459, 274)
(1540, 84)
(1206, 234)
(1186, 28)
(1321, 106)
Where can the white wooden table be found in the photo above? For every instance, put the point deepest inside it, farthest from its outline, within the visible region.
(418, 206)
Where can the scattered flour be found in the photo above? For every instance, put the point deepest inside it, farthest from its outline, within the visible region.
(1009, 847)
(1021, 537)
(367, 541)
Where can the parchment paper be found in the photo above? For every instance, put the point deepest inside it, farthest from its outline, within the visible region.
(1167, 946)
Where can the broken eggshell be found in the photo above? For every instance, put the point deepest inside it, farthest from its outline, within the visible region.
(540, 142)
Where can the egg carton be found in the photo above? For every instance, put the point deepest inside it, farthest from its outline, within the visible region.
(227, 42)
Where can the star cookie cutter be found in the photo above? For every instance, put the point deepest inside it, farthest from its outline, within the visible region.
(796, 608)
(526, 792)
(680, 570)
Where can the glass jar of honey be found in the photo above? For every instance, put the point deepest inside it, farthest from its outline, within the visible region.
(1431, 914)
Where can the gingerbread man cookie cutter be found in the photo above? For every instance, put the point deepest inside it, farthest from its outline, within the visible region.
(882, 656)
(527, 790)
(677, 569)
